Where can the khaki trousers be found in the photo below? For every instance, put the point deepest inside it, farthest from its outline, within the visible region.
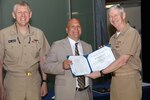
(22, 87)
(126, 87)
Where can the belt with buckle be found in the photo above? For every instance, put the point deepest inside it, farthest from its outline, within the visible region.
(80, 89)
(27, 73)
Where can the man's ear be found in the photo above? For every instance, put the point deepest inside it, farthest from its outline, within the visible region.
(30, 14)
(13, 15)
(66, 29)
(124, 15)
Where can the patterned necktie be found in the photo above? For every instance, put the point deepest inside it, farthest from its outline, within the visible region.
(80, 79)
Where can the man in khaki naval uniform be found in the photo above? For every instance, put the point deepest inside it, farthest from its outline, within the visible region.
(22, 50)
(126, 82)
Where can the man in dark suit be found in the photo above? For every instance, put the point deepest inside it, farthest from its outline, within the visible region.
(66, 85)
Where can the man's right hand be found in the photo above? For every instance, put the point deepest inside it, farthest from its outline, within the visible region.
(66, 64)
(94, 75)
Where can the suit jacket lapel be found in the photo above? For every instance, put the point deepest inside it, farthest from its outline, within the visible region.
(67, 46)
(85, 49)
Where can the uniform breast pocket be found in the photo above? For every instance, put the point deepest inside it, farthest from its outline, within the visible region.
(35, 49)
(12, 49)
(12, 52)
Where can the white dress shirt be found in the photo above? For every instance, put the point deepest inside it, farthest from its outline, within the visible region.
(80, 49)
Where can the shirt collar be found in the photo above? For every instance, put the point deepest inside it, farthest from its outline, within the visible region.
(14, 31)
(72, 42)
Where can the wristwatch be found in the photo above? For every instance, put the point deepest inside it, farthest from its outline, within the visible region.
(45, 81)
(102, 74)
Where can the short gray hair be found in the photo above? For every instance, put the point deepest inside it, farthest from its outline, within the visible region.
(117, 6)
(22, 3)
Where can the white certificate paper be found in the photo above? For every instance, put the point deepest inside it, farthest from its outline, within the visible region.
(95, 61)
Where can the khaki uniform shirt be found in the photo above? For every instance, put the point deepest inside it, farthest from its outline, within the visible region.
(127, 43)
(21, 54)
